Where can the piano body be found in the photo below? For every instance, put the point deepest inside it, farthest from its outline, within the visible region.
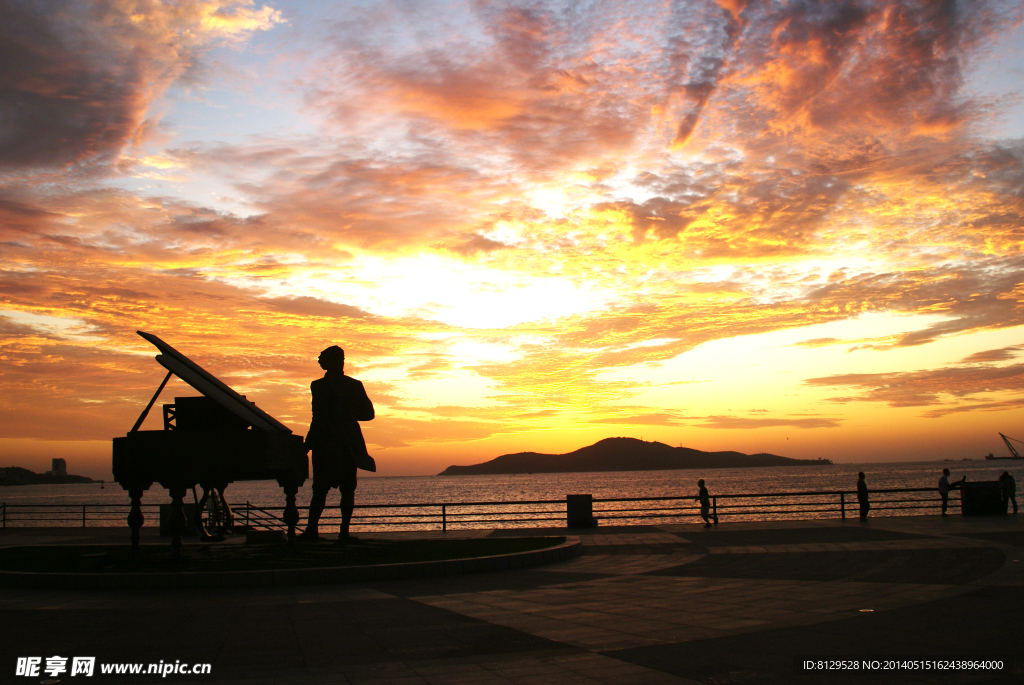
(209, 441)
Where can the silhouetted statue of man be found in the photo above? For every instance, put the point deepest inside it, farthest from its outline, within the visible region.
(862, 496)
(339, 403)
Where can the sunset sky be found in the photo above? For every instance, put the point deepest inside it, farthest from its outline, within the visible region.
(792, 227)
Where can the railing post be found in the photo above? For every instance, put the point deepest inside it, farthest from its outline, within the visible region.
(714, 507)
(842, 503)
(5, 514)
(444, 518)
(83, 516)
(247, 514)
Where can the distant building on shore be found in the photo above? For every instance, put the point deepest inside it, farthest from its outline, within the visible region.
(15, 475)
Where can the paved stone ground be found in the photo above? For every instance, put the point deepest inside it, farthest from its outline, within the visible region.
(667, 604)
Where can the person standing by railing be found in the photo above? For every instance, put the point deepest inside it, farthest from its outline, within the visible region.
(1008, 489)
(862, 496)
(945, 487)
(705, 503)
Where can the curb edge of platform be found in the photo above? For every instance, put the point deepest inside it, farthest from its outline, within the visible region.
(569, 549)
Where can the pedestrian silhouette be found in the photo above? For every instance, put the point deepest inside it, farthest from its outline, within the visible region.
(339, 403)
(945, 487)
(862, 496)
(1008, 488)
(705, 503)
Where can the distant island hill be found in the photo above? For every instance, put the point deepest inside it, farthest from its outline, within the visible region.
(624, 454)
(15, 475)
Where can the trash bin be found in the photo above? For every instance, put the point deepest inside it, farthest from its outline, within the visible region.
(981, 497)
(579, 511)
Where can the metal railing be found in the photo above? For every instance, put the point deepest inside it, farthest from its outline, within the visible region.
(77, 515)
(259, 518)
(773, 506)
(517, 513)
(445, 515)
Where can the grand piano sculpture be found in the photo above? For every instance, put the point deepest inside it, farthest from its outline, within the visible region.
(208, 441)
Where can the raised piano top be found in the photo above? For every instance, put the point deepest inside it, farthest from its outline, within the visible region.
(208, 384)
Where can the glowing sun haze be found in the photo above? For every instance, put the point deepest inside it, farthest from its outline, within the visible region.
(792, 226)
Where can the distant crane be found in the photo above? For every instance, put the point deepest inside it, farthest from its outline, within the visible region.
(1009, 445)
(1013, 451)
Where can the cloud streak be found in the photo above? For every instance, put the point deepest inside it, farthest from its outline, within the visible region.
(924, 388)
(77, 80)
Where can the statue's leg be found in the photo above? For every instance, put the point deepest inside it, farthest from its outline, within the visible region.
(348, 503)
(316, 508)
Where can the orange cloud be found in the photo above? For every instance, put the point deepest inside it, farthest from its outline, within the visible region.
(745, 423)
(921, 388)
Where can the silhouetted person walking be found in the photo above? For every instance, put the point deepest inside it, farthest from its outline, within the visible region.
(862, 496)
(705, 503)
(339, 403)
(1008, 488)
(945, 487)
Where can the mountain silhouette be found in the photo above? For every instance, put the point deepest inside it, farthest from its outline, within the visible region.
(624, 454)
(15, 475)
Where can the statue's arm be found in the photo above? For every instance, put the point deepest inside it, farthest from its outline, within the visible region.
(362, 405)
(313, 432)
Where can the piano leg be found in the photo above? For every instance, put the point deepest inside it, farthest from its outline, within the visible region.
(176, 522)
(291, 512)
(135, 517)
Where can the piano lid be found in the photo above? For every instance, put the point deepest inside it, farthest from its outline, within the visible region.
(206, 383)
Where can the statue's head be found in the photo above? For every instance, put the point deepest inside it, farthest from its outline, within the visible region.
(332, 359)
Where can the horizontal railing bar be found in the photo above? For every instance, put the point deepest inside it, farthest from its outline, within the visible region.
(502, 512)
(462, 504)
(390, 506)
(437, 520)
(737, 508)
(878, 505)
(557, 518)
(836, 501)
(12, 505)
(770, 511)
(437, 516)
(809, 493)
(359, 506)
(849, 505)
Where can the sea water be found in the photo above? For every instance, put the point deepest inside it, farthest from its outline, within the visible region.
(451, 490)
